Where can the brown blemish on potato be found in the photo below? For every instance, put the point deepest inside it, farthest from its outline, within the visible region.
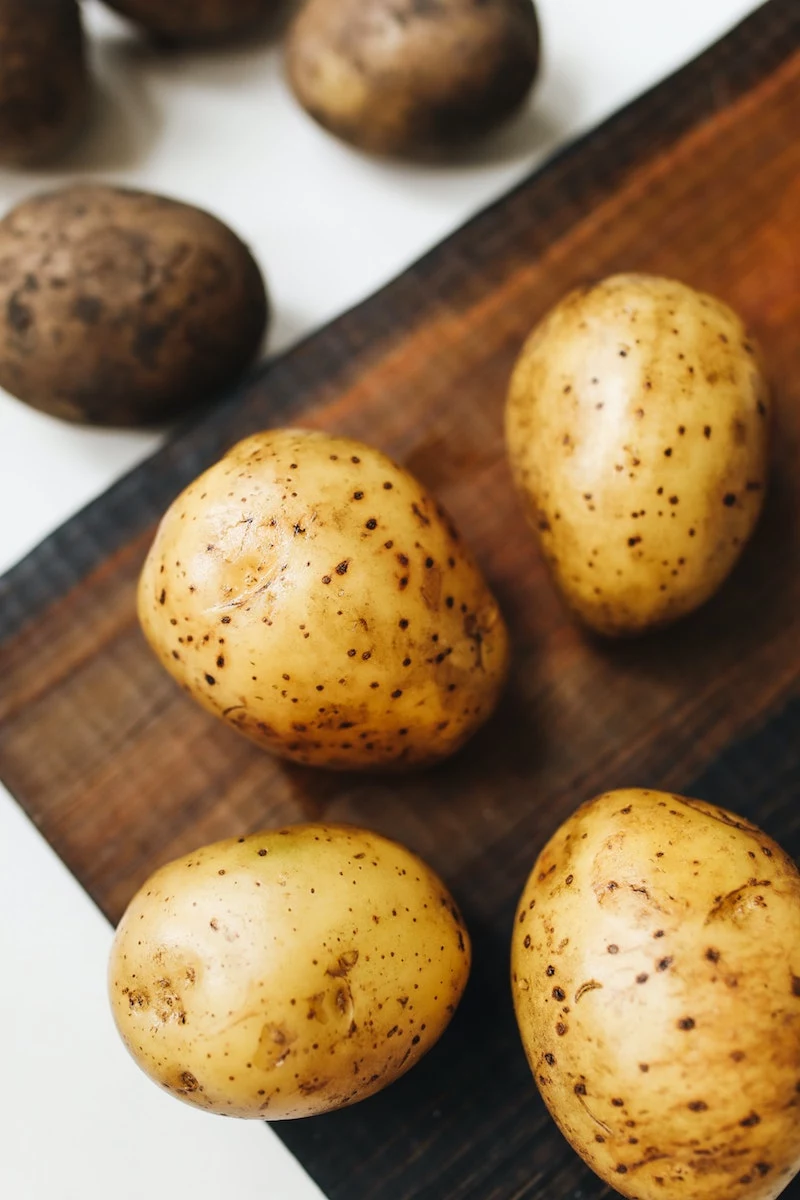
(589, 986)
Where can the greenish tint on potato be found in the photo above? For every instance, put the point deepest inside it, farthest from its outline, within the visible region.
(119, 307)
(196, 20)
(402, 77)
(44, 85)
(656, 981)
(311, 593)
(637, 428)
(287, 973)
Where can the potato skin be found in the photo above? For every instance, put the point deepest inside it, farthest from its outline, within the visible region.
(287, 973)
(44, 85)
(411, 78)
(656, 982)
(121, 307)
(196, 20)
(311, 593)
(637, 428)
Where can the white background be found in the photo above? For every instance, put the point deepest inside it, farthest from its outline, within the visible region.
(77, 1120)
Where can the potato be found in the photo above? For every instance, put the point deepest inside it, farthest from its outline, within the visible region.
(400, 77)
(637, 428)
(196, 20)
(121, 307)
(656, 981)
(287, 973)
(311, 593)
(44, 86)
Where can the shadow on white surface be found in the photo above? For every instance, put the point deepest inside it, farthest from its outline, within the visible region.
(125, 119)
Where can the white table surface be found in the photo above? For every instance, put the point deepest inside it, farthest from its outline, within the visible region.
(77, 1119)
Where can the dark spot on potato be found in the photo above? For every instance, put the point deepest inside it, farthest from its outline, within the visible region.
(686, 1023)
(729, 499)
(697, 1106)
(343, 566)
(210, 680)
(613, 948)
(88, 309)
(558, 994)
(561, 1028)
(750, 1121)
(618, 1103)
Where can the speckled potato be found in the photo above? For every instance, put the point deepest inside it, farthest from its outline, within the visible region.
(121, 307)
(401, 77)
(637, 428)
(196, 20)
(287, 973)
(44, 85)
(656, 981)
(311, 593)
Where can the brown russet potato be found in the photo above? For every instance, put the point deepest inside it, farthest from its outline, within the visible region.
(122, 308)
(311, 593)
(637, 428)
(402, 77)
(656, 981)
(287, 973)
(44, 85)
(196, 20)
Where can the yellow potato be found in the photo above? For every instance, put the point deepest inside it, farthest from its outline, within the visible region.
(656, 981)
(637, 428)
(311, 593)
(287, 973)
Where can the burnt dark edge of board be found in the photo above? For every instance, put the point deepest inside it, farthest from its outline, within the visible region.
(586, 169)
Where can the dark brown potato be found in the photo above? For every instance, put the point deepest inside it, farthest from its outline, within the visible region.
(44, 87)
(121, 308)
(412, 77)
(196, 20)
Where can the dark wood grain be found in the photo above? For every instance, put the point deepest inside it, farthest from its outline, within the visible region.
(699, 179)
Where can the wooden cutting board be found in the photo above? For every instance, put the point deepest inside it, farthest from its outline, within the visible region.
(699, 179)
